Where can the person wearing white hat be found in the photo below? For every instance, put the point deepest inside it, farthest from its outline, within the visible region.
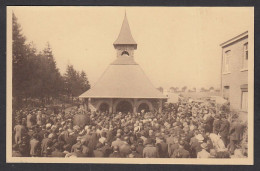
(48, 125)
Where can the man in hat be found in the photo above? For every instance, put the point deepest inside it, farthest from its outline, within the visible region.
(173, 147)
(116, 153)
(162, 146)
(180, 152)
(133, 153)
(102, 139)
(118, 142)
(140, 146)
(34, 146)
(224, 129)
(216, 124)
(236, 135)
(39, 118)
(19, 130)
(77, 152)
(98, 152)
(124, 149)
(150, 151)
(57, 151)
(107, 150)
(44, 144)
(75, 146)
(208, 122)
(29, 121)
(170, 140)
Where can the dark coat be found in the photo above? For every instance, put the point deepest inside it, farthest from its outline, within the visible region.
(162, 149)
(236, 131)
(209, 124)
(150, 152)
(140, 148)
(224, 128)
(115, 155)
(98, 153)
(216, 126)
(57, 153)
(180, 153)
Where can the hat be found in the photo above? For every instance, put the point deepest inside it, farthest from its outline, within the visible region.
(53, 127)
(181, 142)
(76, 127)
(50, 135)
(48, 125)
(133, 148)
(82, 132)
(199, 137)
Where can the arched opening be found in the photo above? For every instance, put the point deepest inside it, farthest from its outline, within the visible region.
(104, 107)
(124, 107)
(124, 52)
(143, 106)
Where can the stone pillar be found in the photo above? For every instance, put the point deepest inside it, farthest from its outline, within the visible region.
(85, 103)
(135, 106)
(160, 105)
(110, 106)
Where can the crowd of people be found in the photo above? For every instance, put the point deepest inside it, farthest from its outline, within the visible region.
(183, 130)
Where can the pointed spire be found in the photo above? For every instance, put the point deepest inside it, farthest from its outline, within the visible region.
(125, 37)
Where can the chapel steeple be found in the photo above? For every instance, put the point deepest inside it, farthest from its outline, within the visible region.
(125, 43)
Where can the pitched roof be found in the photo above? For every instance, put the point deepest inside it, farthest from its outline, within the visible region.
(123, 81)
(125, 37)
(124, 60)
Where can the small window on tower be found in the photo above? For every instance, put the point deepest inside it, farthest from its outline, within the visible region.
(245, 57)
(124, 52)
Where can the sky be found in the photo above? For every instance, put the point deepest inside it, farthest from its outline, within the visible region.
(177, 46)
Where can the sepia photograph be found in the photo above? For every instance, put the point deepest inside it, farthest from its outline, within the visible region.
(130, 85)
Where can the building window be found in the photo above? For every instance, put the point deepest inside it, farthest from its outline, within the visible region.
(244, 97)
(226, 92)
(244, 102)
(245, 56)
(226, 61)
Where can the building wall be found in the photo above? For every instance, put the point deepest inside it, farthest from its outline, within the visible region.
(236, 76)
(94, 104)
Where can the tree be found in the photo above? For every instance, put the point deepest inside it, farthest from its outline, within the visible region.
(53, 81)
(35, 75)
(19, 60)
(160, 89)
(202, 89)
(84, 82)
(75, 83)
(184, 88)
(211, 89)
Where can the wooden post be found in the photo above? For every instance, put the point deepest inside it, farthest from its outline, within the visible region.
(89, 102)
(160, 105)
(111, 106)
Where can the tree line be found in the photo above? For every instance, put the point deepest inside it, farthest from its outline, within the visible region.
(185, 89)
(36, 76)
